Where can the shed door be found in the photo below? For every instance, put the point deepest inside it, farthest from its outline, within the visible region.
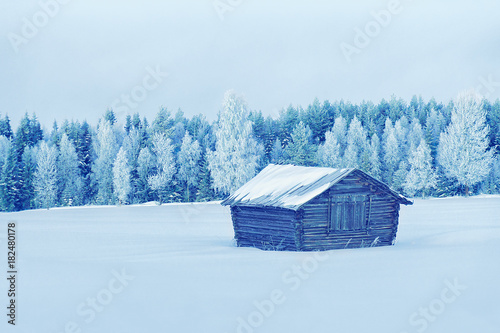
(348, 212)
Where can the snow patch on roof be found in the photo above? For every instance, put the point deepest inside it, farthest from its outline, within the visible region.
(286, 186)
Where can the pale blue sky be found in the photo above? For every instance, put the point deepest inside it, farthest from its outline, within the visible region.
(90, 53)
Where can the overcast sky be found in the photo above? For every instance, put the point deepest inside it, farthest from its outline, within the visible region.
(90, 55)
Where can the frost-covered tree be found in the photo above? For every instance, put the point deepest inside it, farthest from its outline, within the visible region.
(374, 168)
(301, 150)
(236, 156)
(45, 180)
(463, 147)
(121, 177)
(69, 180)
(188, 161)
(277, 154)
(391, 155)
(328, 154)
(434, 125)
(339, 131)
(356, 153)
(399, 177)
(5, 145)
(165, 165)
(415, 135)
(493, 181)
(421, 177)
(145, 167)
(106, 148)
(29, 165)
(132, 146)
(401, 130)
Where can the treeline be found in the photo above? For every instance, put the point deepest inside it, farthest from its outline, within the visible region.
(418, 148)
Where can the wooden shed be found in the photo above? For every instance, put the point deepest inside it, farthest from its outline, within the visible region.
(294, 208)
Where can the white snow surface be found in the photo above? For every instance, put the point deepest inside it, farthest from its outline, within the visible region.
(188, 276)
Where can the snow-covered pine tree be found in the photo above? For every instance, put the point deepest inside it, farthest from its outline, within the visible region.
(83, 148)
(188, 161)
(492, 183)
(205, 189)
(421, 177)
(374, 168)
(106, 148)
(11, 186)
(301, 150)
(328, 154)
(391, 155)
(121, 177)
(236, 156)
(401, 130)
(69, 179)
(463, 147)
(415, 135)
(28, 164)
(277, 154)
(5, 145)
(434, 125)
(339, 131)
(145, 167)
(165, 165)
(356, 154)
(5, 128)
(400, 176)
(45, 180)
(132, 146)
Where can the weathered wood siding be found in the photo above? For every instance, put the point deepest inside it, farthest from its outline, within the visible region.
(382, 213)
(266, 228)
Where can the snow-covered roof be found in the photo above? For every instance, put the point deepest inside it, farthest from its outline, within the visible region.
(290, 186)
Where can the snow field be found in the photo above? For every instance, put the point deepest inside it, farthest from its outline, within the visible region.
(174, 268)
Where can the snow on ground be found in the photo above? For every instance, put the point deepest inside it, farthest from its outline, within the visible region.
(174, 268)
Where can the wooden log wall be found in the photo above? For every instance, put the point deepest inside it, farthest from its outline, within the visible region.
(266, 228)
(381, 214)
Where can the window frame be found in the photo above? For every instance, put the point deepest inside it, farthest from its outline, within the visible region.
(347, 206)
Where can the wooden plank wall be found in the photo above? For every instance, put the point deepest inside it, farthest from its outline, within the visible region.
(266, 228)
(382, 225)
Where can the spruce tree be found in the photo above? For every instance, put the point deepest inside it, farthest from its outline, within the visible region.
(328, 154)
(277, 155)
(106, 148)
(69, 178)
(146, 165)
(301, 150)
(165, 165)
(188, 161)
(374, 168)
(356, 154)
(45, 179)
(121, 177)
(421, 177)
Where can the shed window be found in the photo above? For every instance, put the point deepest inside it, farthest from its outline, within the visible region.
(348, 213)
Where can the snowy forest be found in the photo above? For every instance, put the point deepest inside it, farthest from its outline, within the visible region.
(417, 148)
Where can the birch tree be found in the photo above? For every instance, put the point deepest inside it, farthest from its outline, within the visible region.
(463, 147)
